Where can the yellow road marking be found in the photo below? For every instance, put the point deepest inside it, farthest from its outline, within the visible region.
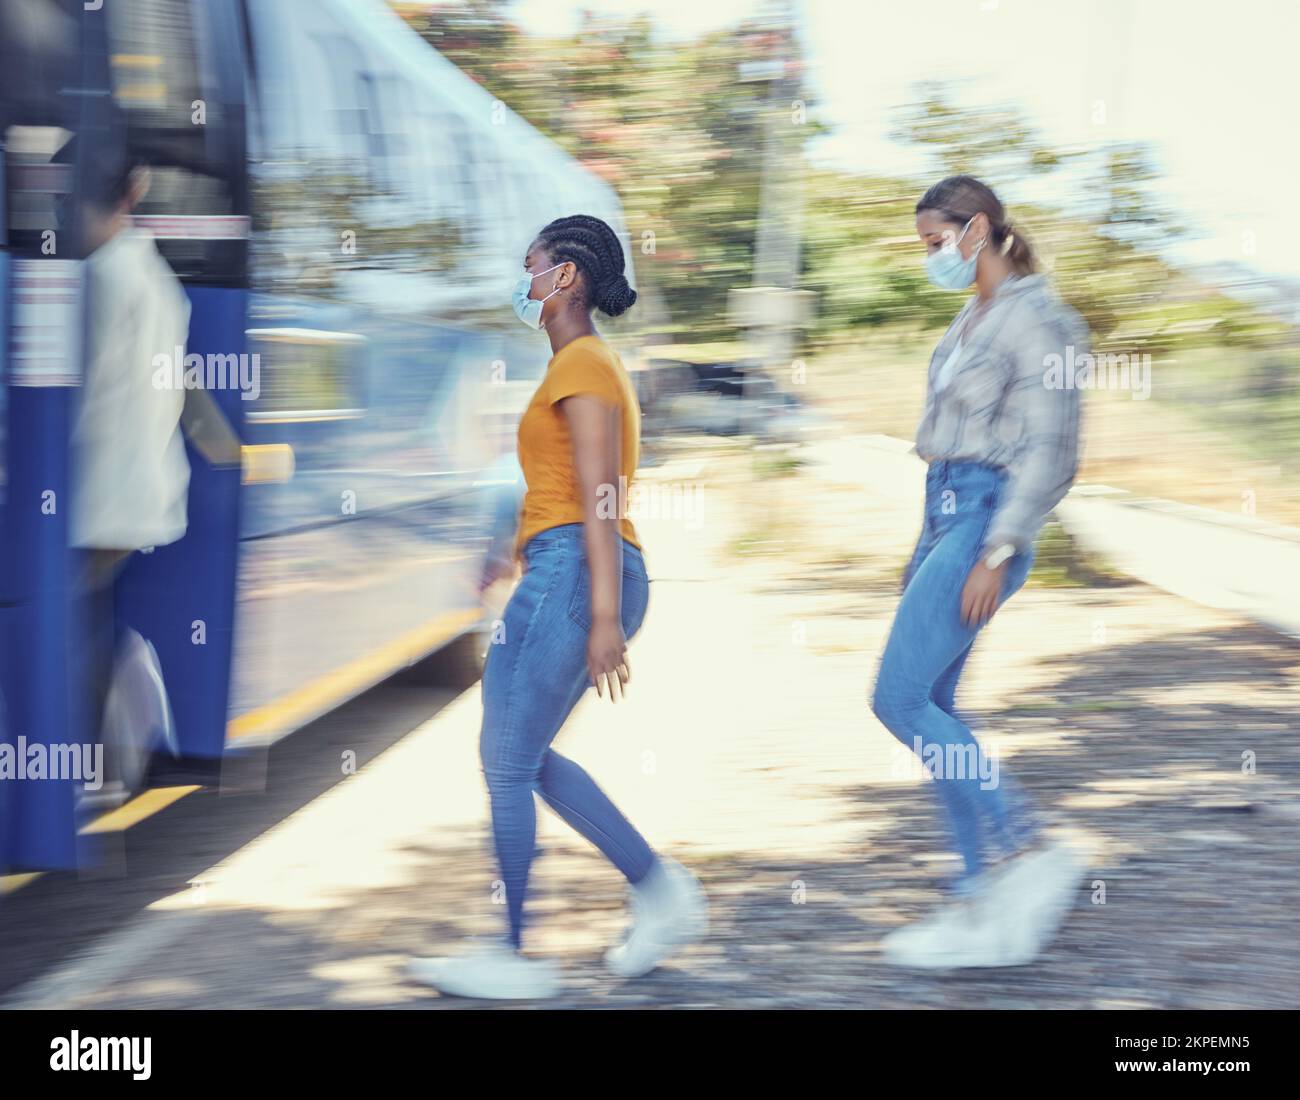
(311, 699)
(322, 693)
(131, 813)
(10, 883)
(143, 805)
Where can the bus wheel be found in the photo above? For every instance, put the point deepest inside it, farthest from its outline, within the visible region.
(458, 664)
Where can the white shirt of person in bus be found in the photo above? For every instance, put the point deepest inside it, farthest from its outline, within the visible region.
(130, 473)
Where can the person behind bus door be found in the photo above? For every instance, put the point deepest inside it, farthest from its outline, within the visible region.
(130, 473)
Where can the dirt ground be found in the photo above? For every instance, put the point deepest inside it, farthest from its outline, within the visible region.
(1160, 737)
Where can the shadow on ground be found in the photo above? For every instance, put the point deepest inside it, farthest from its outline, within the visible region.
(1191, 902)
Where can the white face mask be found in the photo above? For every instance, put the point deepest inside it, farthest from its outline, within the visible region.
(529, 310)
(947, 269)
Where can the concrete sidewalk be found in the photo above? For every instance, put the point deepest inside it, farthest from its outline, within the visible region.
(747, 750)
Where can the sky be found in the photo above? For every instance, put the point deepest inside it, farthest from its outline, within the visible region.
(1213, 88)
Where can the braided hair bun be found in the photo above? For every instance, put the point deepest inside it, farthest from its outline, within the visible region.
(595, 249)
(615, 296)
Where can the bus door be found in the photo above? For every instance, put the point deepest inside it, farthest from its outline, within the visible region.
(177, 73)
(162, 82)
(41, 313)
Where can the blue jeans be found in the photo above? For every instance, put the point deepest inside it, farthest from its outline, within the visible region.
(927, 647)
(536, 672)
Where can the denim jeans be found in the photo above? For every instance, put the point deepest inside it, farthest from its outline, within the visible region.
(536, 672)
(923, 659)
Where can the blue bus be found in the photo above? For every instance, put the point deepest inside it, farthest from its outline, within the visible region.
(346, 212)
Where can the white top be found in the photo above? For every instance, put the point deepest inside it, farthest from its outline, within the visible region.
(130, 474)
(945, 374)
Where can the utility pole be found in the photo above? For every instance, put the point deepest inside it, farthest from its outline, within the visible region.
(770, 308)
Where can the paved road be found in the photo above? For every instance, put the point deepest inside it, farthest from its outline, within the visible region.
(748, 751)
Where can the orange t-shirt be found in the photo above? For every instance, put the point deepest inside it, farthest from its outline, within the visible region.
(586, 365)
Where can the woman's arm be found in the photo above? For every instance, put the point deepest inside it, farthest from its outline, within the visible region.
(595, 428)
(1046, 419)
(207, 428)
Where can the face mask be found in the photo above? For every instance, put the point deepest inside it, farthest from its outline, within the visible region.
(947, 270)
(529, 310)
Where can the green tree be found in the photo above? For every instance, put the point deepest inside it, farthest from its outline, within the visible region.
(992, 143)
(670, 125)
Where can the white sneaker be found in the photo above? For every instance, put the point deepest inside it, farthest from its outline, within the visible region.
(668, 911)
(964, 934)
(1007, 923)
(492, 971)
(1034, 892)
(137, 716)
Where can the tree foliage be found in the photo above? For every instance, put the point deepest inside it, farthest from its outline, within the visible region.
(678, 130)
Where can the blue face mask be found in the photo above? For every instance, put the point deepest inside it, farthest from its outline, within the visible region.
(945, 267)
(529, 310)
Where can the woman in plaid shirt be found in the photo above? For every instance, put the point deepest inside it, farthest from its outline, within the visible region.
(1000, 436)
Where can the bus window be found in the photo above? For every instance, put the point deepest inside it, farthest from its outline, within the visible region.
(439, 169)
(335, 73)
(389, 141)
(174, 121)
(315, 374)
(36, 188)
(360, 179)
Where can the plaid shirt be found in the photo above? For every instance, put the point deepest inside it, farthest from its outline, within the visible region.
(996, 409)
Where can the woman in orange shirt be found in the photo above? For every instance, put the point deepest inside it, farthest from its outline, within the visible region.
(583, 595)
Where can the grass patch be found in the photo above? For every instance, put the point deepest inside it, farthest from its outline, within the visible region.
(768, 464)
(1060, 562)
(757, 542)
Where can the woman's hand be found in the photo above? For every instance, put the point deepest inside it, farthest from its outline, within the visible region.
(495, 569)
(607, 656)
(595, 426)
(979, 597)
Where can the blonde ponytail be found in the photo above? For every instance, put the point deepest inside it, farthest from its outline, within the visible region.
(1016, 248)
